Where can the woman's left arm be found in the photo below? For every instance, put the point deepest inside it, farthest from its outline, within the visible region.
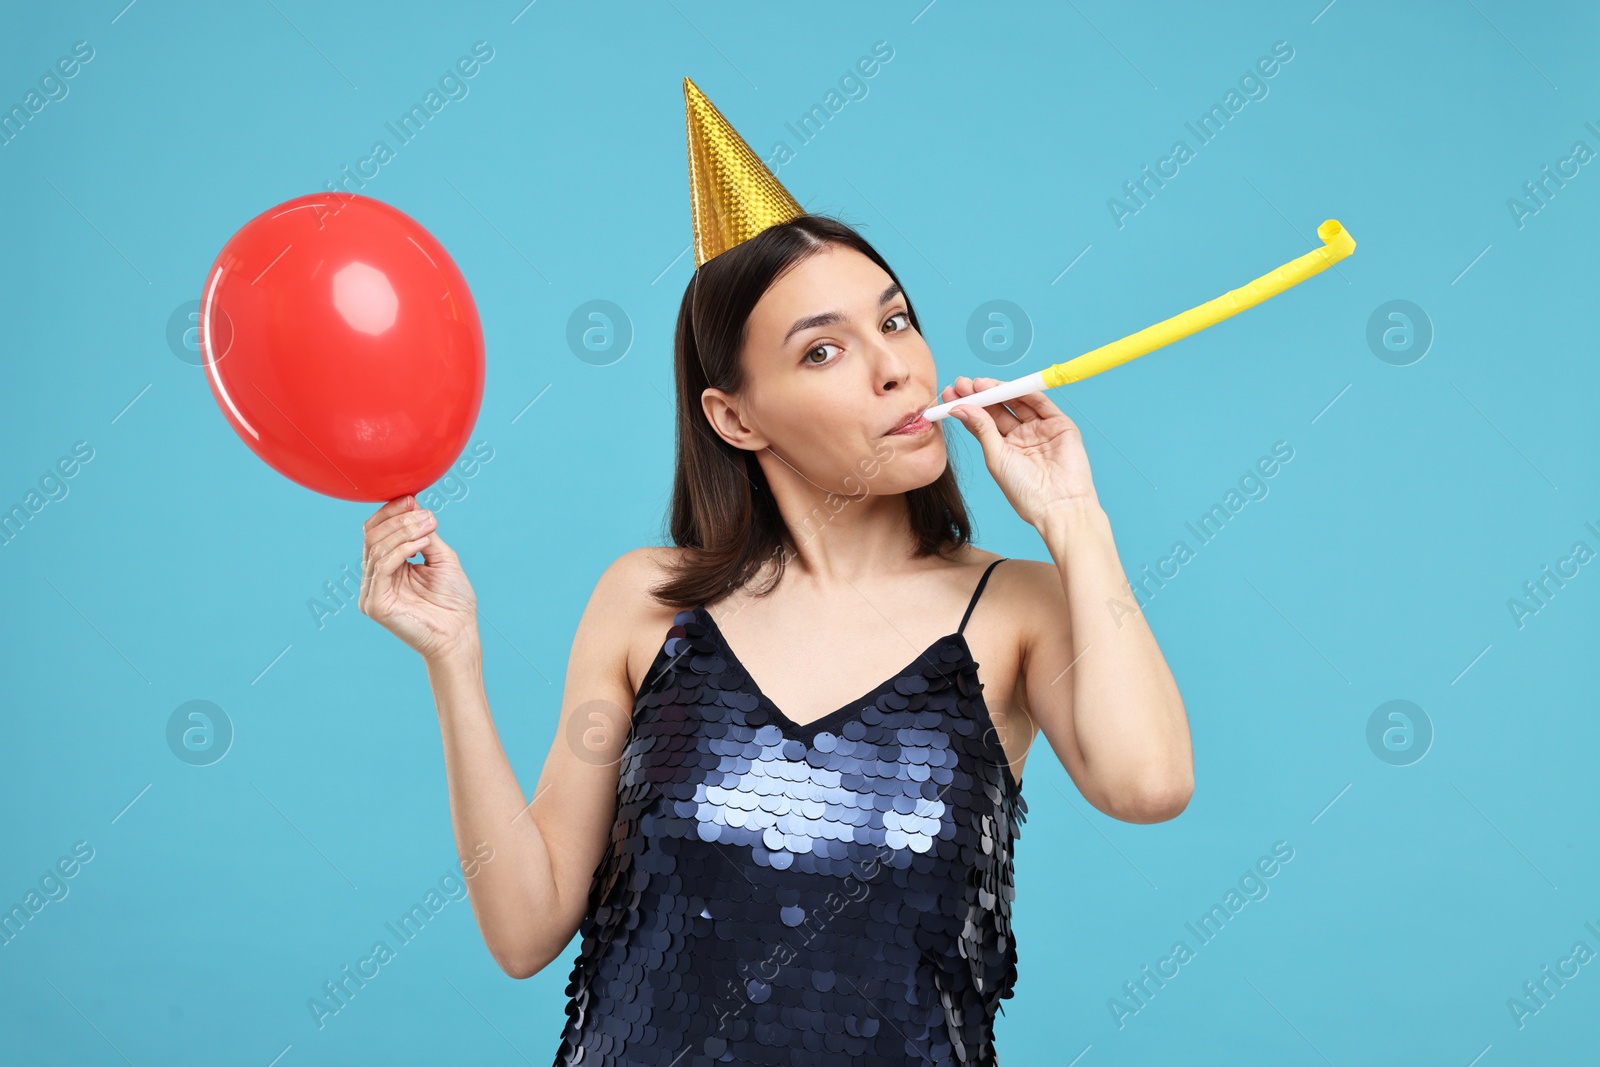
(1122, 716)
(1093, 678)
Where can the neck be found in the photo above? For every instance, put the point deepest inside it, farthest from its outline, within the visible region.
(842, 537)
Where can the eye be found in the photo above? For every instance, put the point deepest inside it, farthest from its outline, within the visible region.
(901, 315)
(806, 359)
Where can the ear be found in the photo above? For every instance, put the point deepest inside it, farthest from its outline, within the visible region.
(722, 412)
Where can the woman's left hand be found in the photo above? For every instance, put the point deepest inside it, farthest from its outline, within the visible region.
(1036, 454)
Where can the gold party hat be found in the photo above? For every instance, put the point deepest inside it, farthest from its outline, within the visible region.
(733, 194)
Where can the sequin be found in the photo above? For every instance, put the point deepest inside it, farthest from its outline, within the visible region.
(774, 892)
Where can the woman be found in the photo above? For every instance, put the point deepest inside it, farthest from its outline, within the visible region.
(814, 869)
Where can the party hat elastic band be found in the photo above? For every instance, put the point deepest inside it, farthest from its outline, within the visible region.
(1337, 244)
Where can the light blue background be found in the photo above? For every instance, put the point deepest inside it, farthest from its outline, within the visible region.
(1419, 500)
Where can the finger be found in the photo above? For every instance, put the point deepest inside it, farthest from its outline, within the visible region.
(1039, 406)
(380, 571)
(393, 507)
(1019, 411)
(409, 527)
(403, 551)
(962, 386)
(378, 562)
(1005, 421)
(404, 524)
(441, 551)
(979, 422)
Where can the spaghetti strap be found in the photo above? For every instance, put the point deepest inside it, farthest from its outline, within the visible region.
(977, 592)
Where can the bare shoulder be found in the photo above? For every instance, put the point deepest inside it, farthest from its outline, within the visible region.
(1028, 603)
(637, 569)
(1009, 605)
(1015, 607)
(1021, 581)
(1032, 595)
(623, 596)
(1018, 590)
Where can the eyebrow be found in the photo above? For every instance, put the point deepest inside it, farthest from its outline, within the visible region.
(828, 318)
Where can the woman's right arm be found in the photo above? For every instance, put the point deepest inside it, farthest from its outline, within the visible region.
(531, 892)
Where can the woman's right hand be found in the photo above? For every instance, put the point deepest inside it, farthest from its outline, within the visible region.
(430, 606)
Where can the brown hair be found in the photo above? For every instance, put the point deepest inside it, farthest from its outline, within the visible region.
(722, 510)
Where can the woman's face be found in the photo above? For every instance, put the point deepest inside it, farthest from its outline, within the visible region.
(832, 365)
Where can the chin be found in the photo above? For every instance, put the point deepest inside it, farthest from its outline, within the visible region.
(904, 469)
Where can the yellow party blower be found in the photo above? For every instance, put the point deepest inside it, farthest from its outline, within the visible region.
(1337, 244)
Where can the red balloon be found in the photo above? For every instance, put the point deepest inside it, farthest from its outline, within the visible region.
(342, 345)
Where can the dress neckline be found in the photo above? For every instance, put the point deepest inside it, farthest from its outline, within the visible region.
(805, 731)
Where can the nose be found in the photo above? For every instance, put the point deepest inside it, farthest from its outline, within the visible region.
(893, 368)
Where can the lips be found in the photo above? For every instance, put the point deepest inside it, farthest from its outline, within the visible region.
(911, 422)
(915, 426)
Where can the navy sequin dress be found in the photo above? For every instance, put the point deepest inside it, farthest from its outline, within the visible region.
(819, 894)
